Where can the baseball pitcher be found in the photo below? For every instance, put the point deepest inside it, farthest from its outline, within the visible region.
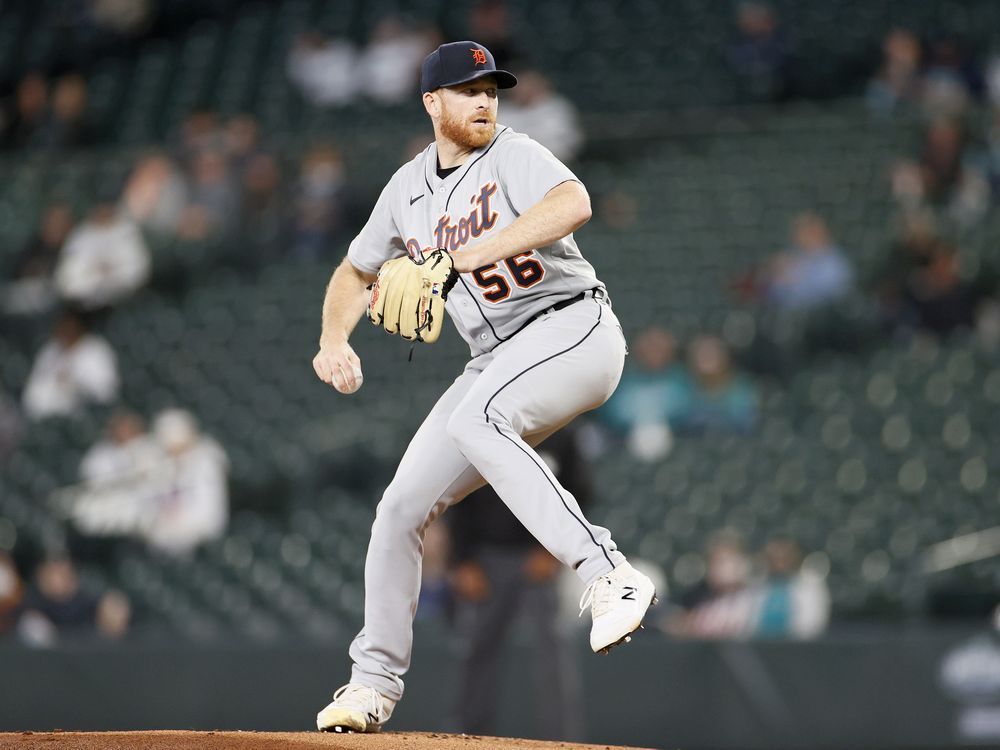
(479, 224)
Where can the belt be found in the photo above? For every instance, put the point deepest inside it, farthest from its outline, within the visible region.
(598, 292)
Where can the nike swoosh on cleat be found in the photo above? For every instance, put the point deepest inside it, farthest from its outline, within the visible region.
(414, 200)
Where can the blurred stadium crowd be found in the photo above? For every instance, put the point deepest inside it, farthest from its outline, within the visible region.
(795, 212)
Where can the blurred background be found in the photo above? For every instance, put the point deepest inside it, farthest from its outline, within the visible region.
(796, 214)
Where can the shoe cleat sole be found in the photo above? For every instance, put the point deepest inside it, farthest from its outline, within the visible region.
(348, 730)
(627, 638)
(624, 639)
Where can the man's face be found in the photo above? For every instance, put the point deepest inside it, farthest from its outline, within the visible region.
(469, 112)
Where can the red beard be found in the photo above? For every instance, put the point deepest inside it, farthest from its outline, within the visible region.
(463, 133)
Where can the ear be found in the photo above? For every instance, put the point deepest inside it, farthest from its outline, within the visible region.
(432, 103)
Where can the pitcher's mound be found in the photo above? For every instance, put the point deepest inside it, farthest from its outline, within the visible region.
(169, 740)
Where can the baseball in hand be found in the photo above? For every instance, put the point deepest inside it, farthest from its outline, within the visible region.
(358, 378)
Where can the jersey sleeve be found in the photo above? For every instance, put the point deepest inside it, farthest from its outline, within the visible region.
(379, 240)
(527, 171)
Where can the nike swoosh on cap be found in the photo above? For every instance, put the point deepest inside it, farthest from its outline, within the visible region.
(414, 200)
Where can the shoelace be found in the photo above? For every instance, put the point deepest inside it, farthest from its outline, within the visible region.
(597, 594)
(361, 698)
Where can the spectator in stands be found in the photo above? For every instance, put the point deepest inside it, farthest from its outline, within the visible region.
(793, 602)
(920, 284)
(263, 207)
(813, 272)
(935, 296)
(67, 124)
(74, 368)
(27, 113)
(500, 576)
(127, 451)
(651, 393)
(56, 607)
(950, 182)
(242, 138)
(758, 56)
(31, 289)
(324, 70)
(320, 209)
(190, 493)
(717, 397)
(907, 184)
(156, 194)
(909, 252)
(898, 82)
(951, 80)
(114, 615)
(941, 160)
(213, 197)
(11, 593)
(722, 605)
(201, 132)
(55, 602)
(117, 474)
(390, 64)
(104, 260)
(532, 107)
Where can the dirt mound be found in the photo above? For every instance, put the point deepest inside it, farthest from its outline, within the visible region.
(168, 740)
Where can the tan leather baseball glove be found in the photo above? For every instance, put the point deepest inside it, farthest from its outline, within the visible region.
(408, 298)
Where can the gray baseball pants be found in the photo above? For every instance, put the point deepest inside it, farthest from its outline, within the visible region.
(482, 429)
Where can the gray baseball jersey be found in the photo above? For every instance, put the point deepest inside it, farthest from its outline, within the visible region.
(534, 368)
(419, 210)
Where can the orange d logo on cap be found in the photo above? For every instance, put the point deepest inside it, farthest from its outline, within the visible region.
(451, 65)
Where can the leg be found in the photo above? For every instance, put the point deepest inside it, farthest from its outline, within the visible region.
(565, 363)
(419, 492)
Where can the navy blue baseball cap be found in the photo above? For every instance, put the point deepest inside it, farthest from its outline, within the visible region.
(461, 62)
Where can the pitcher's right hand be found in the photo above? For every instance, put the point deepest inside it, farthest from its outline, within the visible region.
(338, 365)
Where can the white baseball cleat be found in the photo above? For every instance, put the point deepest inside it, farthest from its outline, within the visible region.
(618, 601)
(355, 708)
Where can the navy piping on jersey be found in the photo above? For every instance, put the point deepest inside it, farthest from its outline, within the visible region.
(479, 307)
(469, 168)
(600, 313)
(482, 313)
